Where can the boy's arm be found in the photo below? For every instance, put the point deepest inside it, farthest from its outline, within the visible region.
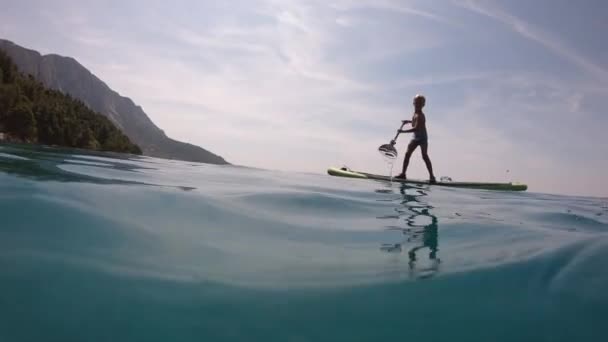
(415, 124)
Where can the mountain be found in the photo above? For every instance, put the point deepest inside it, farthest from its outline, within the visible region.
(30, 112)
(65, 74)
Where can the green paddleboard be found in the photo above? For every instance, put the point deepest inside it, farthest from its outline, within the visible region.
(341, 172)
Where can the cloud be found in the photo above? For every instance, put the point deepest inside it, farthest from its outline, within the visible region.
(535, 34)
(345, 21)
(390, 6)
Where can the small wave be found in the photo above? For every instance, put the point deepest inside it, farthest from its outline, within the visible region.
(571, 221)
(11, 156)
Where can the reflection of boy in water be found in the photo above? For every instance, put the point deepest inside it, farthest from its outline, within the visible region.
(430, 232)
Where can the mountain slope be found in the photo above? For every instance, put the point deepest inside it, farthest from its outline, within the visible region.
(29, 112)
(68, 76)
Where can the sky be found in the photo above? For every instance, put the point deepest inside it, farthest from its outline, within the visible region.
(516, 90)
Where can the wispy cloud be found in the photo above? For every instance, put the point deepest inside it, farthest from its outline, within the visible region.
(391, 6)
(529, 31)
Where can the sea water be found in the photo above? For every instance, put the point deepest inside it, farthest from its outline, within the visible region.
(108, 247)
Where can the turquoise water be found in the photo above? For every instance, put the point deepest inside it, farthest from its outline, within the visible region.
(101, 247)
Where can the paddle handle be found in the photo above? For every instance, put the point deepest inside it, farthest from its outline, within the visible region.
(396, 136)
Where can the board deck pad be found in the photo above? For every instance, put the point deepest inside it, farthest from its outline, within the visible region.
(342, 172)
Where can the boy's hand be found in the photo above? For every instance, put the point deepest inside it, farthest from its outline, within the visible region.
(406, 121)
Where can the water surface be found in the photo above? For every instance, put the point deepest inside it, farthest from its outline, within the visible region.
(107, 247)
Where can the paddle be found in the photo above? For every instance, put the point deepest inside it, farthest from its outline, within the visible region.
(389, 150)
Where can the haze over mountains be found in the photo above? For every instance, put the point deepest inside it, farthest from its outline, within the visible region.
(67, 75)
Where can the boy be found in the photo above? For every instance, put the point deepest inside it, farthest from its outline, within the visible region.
(420, 138)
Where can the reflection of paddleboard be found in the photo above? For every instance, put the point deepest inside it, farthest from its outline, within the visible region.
(342, 172)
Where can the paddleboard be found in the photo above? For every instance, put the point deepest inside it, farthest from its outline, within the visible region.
(344, 172)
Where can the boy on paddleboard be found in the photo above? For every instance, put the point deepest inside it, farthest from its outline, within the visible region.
(420, 138)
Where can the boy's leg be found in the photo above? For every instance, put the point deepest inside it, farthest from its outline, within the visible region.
(406, 161)
(425, 156)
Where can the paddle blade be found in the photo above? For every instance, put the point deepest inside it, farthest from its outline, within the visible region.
(388, 151)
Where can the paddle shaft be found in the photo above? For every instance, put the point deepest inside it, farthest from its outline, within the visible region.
(396, 136)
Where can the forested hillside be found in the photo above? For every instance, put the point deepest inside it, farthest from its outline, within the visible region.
(31, 113)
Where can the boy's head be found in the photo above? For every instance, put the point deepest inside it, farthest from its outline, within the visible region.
(419, 101)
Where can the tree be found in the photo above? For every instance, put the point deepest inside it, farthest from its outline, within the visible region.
(9, 70)
(21, 122)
